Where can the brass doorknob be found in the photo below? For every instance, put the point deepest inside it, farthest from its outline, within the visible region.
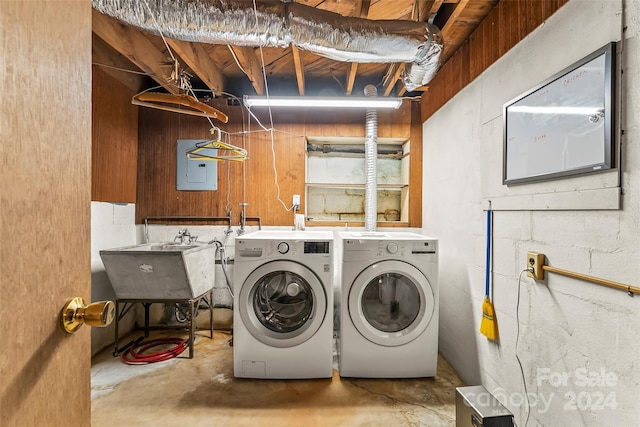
(75, 313)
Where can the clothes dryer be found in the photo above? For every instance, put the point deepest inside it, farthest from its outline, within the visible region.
(283, 305)
(389, 305)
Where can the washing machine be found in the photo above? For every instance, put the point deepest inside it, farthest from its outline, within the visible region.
(389, 305)
(283, 305)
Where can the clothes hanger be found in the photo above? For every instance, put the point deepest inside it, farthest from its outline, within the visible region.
(158, 101)
(239, 154)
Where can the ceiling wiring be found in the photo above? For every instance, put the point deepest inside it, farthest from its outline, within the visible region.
(121, 69)
(271, 132)
(155, 23)
(178, 75)
(238, 61)
(237, 154)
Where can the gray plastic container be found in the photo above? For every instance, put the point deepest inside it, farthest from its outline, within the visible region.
(157, 271)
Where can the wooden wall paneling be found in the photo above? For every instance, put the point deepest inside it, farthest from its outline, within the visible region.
(415, 168)
(114, 140)
(262, 191)
(157, 193)
(230, 188)
(461, 72)
(489, 41)
(491, 37)
(533, 15)
(508, 17)
(158, 132)
(394, 123)
(476, 52)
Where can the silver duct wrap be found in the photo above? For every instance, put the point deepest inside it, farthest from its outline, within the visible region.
(279, 24)
(370, 160)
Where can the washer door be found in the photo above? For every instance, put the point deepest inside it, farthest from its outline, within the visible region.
(391, 303)
(282, 303)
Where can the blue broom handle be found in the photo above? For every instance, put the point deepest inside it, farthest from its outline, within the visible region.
(486, 277)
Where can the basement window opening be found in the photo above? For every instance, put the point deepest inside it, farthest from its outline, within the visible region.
(336, 180)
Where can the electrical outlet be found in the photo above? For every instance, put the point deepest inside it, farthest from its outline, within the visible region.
(536, 261)
(296, 200)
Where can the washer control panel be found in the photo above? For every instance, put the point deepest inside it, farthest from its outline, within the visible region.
(392, 247)
(283, 247)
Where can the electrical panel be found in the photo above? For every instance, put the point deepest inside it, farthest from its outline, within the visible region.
(195, 174)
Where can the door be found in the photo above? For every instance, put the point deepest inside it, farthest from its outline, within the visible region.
(45, 186)
(391, 303)
(282, 303)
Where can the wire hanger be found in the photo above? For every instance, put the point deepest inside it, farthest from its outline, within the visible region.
(159, 101)
(237, 154)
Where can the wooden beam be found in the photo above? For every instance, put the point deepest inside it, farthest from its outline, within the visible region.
(251, 65)
(446, 30)
(362, 12)
(364, 8)
(195, 57)
(351, 77)
(391, 82)
(134, 46)
(297, 60)
(112, 63)
(435, 8)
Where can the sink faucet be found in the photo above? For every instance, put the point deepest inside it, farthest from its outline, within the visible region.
(184, 237)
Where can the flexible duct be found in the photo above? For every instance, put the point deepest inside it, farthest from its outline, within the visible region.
(279, 24)
(370, 159)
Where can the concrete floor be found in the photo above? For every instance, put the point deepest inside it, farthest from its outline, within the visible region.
(203, 392)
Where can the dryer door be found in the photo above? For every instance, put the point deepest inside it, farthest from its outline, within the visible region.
(282, 303)
(391, 303)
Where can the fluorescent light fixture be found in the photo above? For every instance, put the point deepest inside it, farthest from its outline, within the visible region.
(322, 102)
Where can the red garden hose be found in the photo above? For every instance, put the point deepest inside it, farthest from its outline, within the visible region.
(136, 355)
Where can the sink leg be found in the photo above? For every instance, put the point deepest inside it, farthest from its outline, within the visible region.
(146, 319)
(211, 312)
(117, 321)
(191, 316)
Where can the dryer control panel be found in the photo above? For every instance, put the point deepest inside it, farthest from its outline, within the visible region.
(405, 248)
(363, 249)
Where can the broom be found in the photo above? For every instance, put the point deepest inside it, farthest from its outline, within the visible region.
(489, 324)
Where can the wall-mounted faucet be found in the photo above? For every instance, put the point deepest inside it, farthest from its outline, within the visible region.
(184, 237)
(240, 231)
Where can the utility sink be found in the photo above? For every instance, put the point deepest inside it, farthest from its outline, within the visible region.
(160, 271)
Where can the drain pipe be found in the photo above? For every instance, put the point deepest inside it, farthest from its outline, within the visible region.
(370, 158)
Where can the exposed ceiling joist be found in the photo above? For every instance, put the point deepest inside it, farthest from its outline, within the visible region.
(446, 30)
(114, 65)
(299, 65)
(394, 76)
(351, 77)
(362, 12)
(196, 58)
(216, 67)
(435, 7)
(134, 46)
(249, 62)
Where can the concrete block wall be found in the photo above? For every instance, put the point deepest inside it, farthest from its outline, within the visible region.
(112, 226)
(577, 340)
